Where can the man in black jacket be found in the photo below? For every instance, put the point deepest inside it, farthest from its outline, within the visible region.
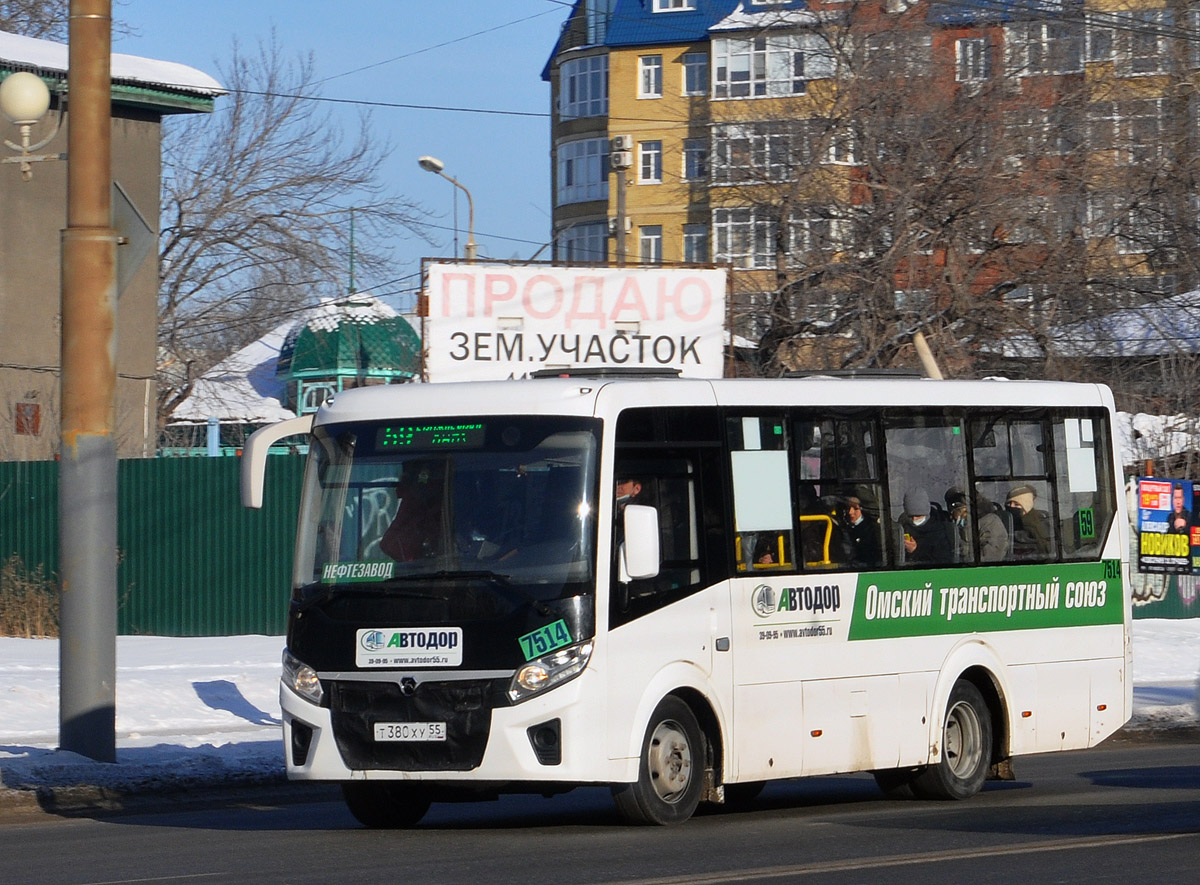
(927, 532)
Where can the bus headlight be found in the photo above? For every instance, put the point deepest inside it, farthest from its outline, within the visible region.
(301, 678)
(548, 671)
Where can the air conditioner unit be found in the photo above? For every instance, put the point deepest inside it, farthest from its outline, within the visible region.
(622, 142)
(621, 159)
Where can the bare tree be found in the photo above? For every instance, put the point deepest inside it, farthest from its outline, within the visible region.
(258, 206)
(45, 19)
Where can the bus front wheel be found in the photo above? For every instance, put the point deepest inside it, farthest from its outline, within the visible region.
(966, 748)
(670, 771)
(385, 805)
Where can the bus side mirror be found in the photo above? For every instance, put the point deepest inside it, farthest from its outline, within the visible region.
(639, 556)
(254, 455)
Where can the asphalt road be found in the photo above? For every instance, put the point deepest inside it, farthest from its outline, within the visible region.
(1125, 812)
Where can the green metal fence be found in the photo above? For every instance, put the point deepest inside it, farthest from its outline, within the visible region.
(193, 561)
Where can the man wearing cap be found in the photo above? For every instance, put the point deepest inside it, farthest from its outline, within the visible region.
(1031, 533)
(927, 535)
(861, 533)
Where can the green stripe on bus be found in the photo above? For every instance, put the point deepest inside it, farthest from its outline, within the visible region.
(987, 599)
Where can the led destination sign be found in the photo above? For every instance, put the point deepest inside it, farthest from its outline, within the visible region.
(429, 436)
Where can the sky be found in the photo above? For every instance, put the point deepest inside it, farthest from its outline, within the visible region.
(485, 55)
(205, 711)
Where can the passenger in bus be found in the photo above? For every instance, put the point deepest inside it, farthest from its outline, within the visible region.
(626, 492)
(861, 533)
(764, 550)
(417, 529)
(959, 511)
(1031, 526)
(991, 523)
(928, 533)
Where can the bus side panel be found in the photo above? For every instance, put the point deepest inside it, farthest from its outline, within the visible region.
(648, 658)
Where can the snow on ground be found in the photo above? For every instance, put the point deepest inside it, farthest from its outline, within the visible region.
(204, 712)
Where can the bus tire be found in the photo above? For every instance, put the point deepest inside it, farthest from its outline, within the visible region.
(385, 805)
(670, 771)
(966, 748)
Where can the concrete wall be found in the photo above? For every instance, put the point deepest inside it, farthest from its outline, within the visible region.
(32, 215)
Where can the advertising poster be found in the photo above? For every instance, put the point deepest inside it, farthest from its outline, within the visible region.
(493, 322)
(1164, 523)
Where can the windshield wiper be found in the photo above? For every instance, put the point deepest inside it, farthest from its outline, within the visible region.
(501, 583)
(372, 589)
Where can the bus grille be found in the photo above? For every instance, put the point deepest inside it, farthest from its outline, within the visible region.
(465, 707)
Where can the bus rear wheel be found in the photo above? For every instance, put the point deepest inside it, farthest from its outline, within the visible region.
(385, 805)
(671, 769)
(966, 748)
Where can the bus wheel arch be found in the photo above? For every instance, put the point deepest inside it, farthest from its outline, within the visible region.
(674, 764)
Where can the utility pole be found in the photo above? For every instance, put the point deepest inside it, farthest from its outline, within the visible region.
(620, 158)
(87, 503)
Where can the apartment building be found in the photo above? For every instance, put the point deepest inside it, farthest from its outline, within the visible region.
(872, 166)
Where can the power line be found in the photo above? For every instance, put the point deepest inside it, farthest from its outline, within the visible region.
(433, 47)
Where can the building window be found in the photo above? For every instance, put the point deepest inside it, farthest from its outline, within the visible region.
(695, 73)
(1133, 130)
(650, 243)
(764, 152)
(1045, 48)
(972, 59)
(898, 54)
(742, 240)
(584, 243)
(673, 5)
(1144, 44)
(1136, 228)
(583, 88)
(582, 171)
(650, 76)
(695, 243)
(649, 162)
(695, 159)
(756, 67)
(843, 149)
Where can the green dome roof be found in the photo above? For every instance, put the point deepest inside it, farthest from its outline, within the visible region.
(354, 339)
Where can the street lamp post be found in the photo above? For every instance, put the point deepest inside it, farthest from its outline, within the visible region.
(24, 99)
(437, 167)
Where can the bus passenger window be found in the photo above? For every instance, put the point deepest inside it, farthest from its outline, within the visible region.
(762, 502)
(1084, 484)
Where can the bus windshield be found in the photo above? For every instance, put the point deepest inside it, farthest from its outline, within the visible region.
(450, 502)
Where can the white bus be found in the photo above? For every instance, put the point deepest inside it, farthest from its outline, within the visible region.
(684, 589)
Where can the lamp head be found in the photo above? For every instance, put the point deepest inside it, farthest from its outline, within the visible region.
(24, 98)
(431, 164)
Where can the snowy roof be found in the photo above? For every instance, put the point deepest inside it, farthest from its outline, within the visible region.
(49, 58)
(241, 387)
(1158, 328)
(765, 17)
(1144, 437)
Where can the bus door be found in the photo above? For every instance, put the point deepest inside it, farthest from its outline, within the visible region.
(672, 629)
(767, 685)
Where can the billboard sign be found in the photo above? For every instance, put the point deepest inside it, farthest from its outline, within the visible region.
(494, 322)
(1166, 525)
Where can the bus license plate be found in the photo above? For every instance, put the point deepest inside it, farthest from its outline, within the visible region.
(410, 731)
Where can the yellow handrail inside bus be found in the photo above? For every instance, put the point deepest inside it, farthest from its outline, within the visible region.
(825, 562)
